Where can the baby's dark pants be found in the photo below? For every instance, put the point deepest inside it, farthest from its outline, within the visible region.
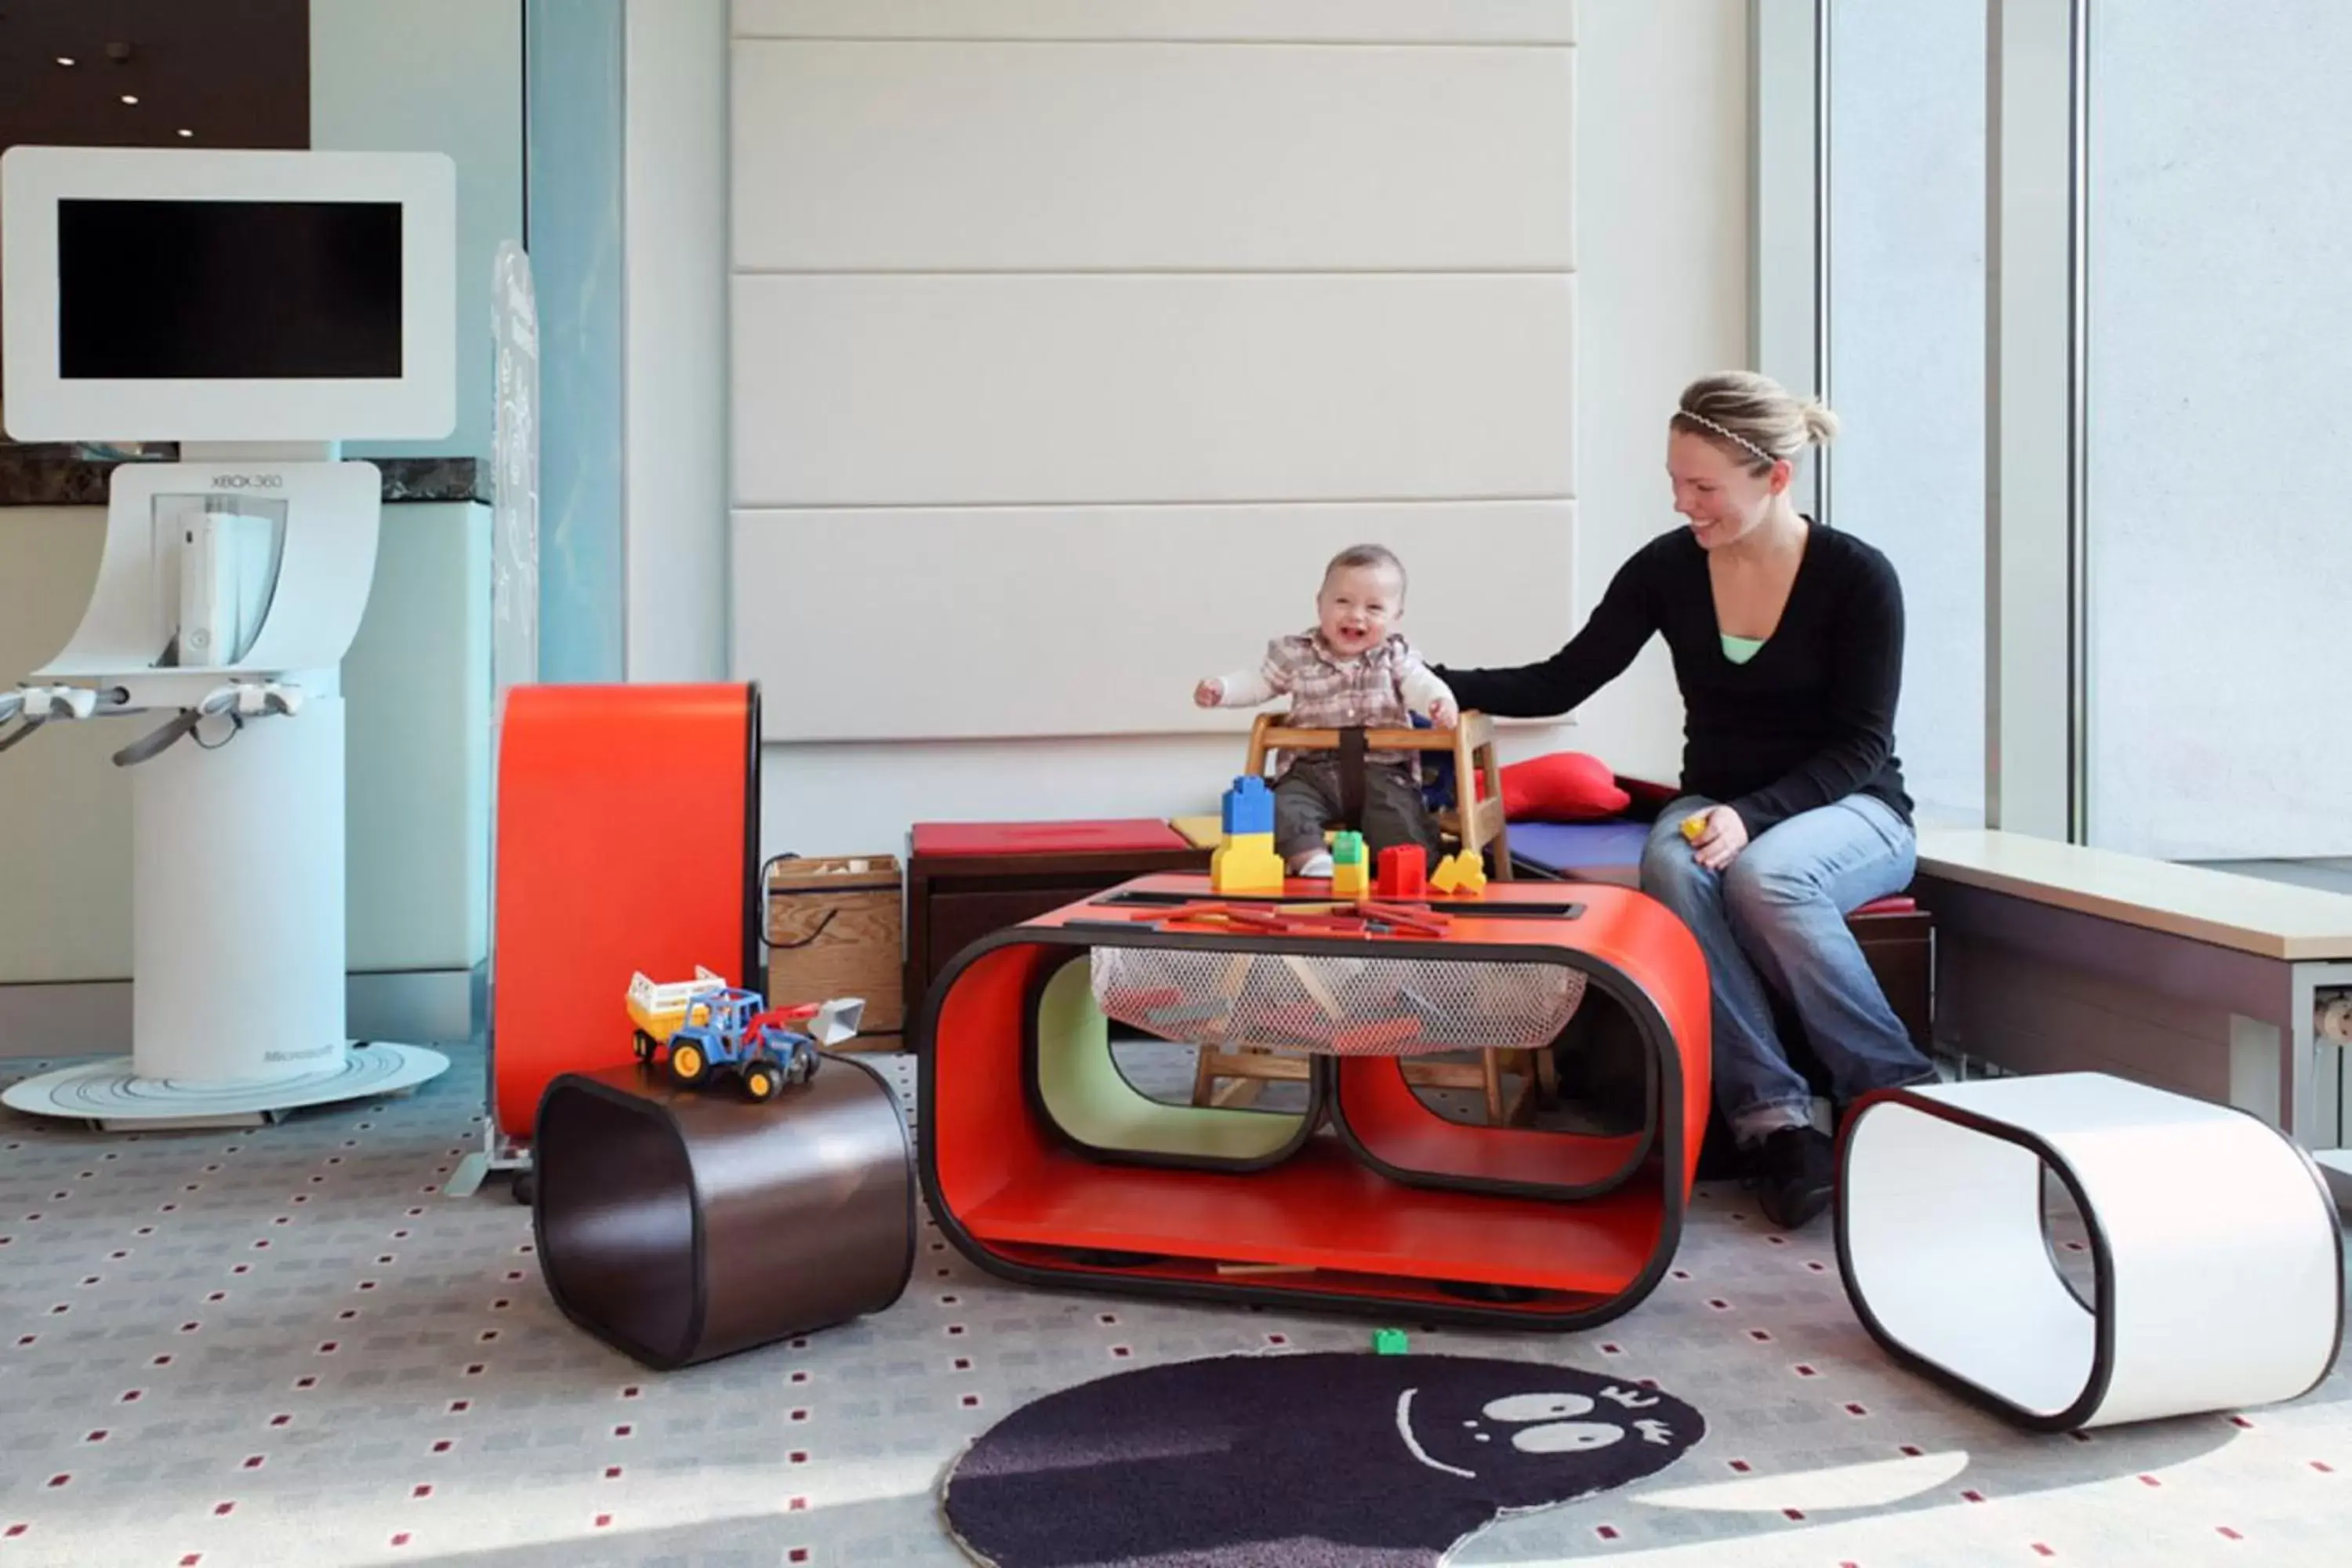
(1311, 796)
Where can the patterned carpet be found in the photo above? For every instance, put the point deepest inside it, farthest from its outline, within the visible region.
(285, 1346)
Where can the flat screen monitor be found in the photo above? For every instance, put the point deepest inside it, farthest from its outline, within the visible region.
(178, 294)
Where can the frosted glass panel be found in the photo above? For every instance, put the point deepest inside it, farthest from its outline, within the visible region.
(1906, 313)
(576, 263)
(2219, 325)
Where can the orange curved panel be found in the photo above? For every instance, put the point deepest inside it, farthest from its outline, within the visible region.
(1324, 1226)
(628, 840)
(1397, 1131)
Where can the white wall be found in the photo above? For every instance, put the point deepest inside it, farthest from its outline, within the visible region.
(434, 76)
(65, 912)
(1662, 213)
(674, 396)
(1658, 211)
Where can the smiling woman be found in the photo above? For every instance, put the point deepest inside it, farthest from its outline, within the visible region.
(1787, 640)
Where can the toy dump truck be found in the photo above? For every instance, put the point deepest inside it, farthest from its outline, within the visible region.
(707, 1028)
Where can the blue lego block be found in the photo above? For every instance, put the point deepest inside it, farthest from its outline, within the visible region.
(1249, 806)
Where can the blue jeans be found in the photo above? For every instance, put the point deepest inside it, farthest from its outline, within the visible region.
(1776, 917)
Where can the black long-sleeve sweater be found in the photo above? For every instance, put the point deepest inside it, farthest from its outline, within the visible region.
(1807, 720)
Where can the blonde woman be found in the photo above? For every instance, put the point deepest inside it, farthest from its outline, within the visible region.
(1787, 640)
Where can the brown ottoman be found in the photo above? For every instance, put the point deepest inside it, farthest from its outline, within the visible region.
(680, 1226)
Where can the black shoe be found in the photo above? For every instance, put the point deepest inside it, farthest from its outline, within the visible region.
(1796, 1175)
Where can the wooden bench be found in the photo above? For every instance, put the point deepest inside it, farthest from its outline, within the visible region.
(2057, 957)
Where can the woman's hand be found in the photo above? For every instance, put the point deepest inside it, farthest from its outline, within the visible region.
(1442, 713)
(1208, 694)
(1721, 839)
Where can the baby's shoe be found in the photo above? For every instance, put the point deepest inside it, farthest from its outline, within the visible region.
(1316, 865)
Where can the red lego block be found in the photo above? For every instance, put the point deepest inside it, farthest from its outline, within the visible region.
(1404, 872)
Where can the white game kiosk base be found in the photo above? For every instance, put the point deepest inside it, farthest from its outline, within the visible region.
(114, 1097)
(238, 828)
(315, 304)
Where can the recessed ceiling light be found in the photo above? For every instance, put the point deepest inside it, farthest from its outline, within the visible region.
(65, 59)
(185, 131)
(129, 98)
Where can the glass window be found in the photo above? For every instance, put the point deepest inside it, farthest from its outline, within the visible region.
(1907, 352)
(2218, 328)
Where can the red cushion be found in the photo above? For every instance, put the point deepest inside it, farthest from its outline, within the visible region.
(1893, 904)
(1106, 836)
(1563, 786)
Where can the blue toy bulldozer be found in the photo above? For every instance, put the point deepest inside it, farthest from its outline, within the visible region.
(724, 1034)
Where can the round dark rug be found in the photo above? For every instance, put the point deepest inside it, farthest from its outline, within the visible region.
(1299, 1461)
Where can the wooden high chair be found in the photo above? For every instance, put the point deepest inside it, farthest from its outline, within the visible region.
(1473, 822)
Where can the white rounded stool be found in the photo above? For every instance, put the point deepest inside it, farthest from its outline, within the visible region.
(2218, 1261)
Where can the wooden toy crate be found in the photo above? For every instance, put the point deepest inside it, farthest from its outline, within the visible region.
(833, 930)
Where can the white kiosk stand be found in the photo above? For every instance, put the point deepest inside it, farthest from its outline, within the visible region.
(259, 308)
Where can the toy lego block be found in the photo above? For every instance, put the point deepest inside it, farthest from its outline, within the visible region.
(1348, 881)
(1388, 925)
(1459, 873)
(1248, 807)
(1197, 1012)
(1312, 984)
(1433, 922)
(1373, 1037)
(1694, 825)
(1388, 1341)
(1348, 849)
(1423, 1008)
(1294, 1020)
(1144, 1001)
(1246, 863)
(1404, 871)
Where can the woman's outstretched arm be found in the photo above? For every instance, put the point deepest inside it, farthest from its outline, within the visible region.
(1596, 656)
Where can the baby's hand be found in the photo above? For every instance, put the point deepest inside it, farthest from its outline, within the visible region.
(1442, 713)
(1209, 693)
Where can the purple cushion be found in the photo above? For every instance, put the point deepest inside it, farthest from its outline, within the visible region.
(1561, 848)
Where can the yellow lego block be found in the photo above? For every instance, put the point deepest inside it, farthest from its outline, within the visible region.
(1246, 863)
(1459, 873)
(1694, 825)
(1351, 882)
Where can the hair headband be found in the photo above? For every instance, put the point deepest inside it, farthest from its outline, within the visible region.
(1731, 436)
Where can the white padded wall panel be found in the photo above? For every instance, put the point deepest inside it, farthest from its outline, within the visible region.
(1083, 330)
(1371, 21)
(1079, 621)
(1030, 390)
(893, 156)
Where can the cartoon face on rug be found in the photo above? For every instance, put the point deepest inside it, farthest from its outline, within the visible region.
(1300, 1460)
